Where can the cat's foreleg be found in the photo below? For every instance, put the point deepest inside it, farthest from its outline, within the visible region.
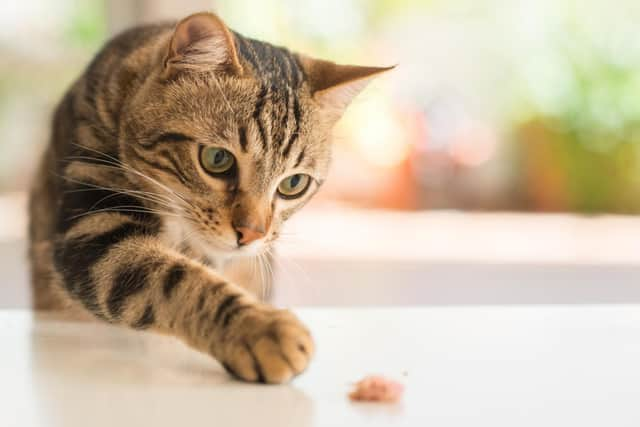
(124, 275)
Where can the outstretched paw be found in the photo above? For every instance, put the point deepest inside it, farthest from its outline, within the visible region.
(270, 346)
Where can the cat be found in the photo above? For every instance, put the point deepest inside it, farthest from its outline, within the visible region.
(182, 144)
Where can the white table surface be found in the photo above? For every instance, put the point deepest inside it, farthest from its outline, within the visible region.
(462, 366)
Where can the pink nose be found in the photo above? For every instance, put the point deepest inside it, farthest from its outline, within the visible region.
(247, 235)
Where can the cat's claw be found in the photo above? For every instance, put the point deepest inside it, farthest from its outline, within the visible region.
(272, 347)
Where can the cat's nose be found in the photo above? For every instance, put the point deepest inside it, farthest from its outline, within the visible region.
(249, 233)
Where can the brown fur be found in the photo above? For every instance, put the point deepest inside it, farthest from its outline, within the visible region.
(128, 227)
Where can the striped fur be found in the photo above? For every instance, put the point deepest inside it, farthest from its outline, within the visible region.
(127, 227)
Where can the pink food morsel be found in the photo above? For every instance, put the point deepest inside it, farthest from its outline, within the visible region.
(376, 388)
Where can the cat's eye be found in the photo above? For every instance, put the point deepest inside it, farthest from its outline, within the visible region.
(294, 186)
(216, 160)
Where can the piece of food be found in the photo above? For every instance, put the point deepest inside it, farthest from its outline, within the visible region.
(376, 388)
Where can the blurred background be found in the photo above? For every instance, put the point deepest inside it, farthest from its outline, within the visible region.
(499, 163)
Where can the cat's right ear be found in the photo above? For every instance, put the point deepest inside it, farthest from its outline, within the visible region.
(201, 43)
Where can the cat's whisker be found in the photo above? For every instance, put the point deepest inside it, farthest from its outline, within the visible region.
(136, 193)
(253, 267)
(272, 275)
(284, 276)
(123, 209)
(263, 277)
(156, 198)
(305, 276)
(94, 161)
(184, 239)
(123, 165)
(263, 281)
(136, 207)
(101, 153)
(158, 183)
(118, 192)
(265, 258)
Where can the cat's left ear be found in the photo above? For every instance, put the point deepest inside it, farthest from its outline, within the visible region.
(202, 42)
(333, 85)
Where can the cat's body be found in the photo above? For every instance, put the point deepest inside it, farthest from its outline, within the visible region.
(180, 147)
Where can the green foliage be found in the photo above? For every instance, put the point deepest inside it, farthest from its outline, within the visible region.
(380, 12)
(87, 24)
(588, 99)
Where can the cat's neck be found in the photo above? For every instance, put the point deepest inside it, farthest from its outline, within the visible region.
(177, 235)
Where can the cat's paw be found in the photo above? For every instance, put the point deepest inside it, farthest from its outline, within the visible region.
(269, 346)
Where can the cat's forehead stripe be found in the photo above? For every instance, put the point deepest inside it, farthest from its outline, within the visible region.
(300, 158)
(257, 116)
(273, 65)
(242, 137)
(294, 135)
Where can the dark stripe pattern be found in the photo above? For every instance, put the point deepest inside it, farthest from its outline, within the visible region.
(226, 303)
(256, 364)
(129, 280)
(201, 300)
(242, 136)
(172, 280)
(299, 159)
(232, 313)
(262, 98)
(75, 257)
(174, 169)
(294, 135)
(173, 137)
(281, 76)
(81, 199)
(167, 137)
(147, 319)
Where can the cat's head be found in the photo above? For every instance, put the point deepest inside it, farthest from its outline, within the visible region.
(235, 132)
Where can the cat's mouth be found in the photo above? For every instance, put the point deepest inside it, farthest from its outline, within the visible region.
(214, 248)
(214, 245)
(182, 234)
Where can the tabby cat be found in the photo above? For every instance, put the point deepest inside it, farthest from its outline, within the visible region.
(182, 145)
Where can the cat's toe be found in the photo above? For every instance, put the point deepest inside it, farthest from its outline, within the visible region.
(273, 351)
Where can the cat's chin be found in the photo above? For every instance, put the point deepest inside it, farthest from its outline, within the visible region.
(252, 249)
(249, 250)
(219, 258)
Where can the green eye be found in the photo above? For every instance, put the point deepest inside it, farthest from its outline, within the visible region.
(216, 160)
(294, 186)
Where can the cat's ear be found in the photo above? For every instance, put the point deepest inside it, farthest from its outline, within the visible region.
(334, 86)
(202, 42)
